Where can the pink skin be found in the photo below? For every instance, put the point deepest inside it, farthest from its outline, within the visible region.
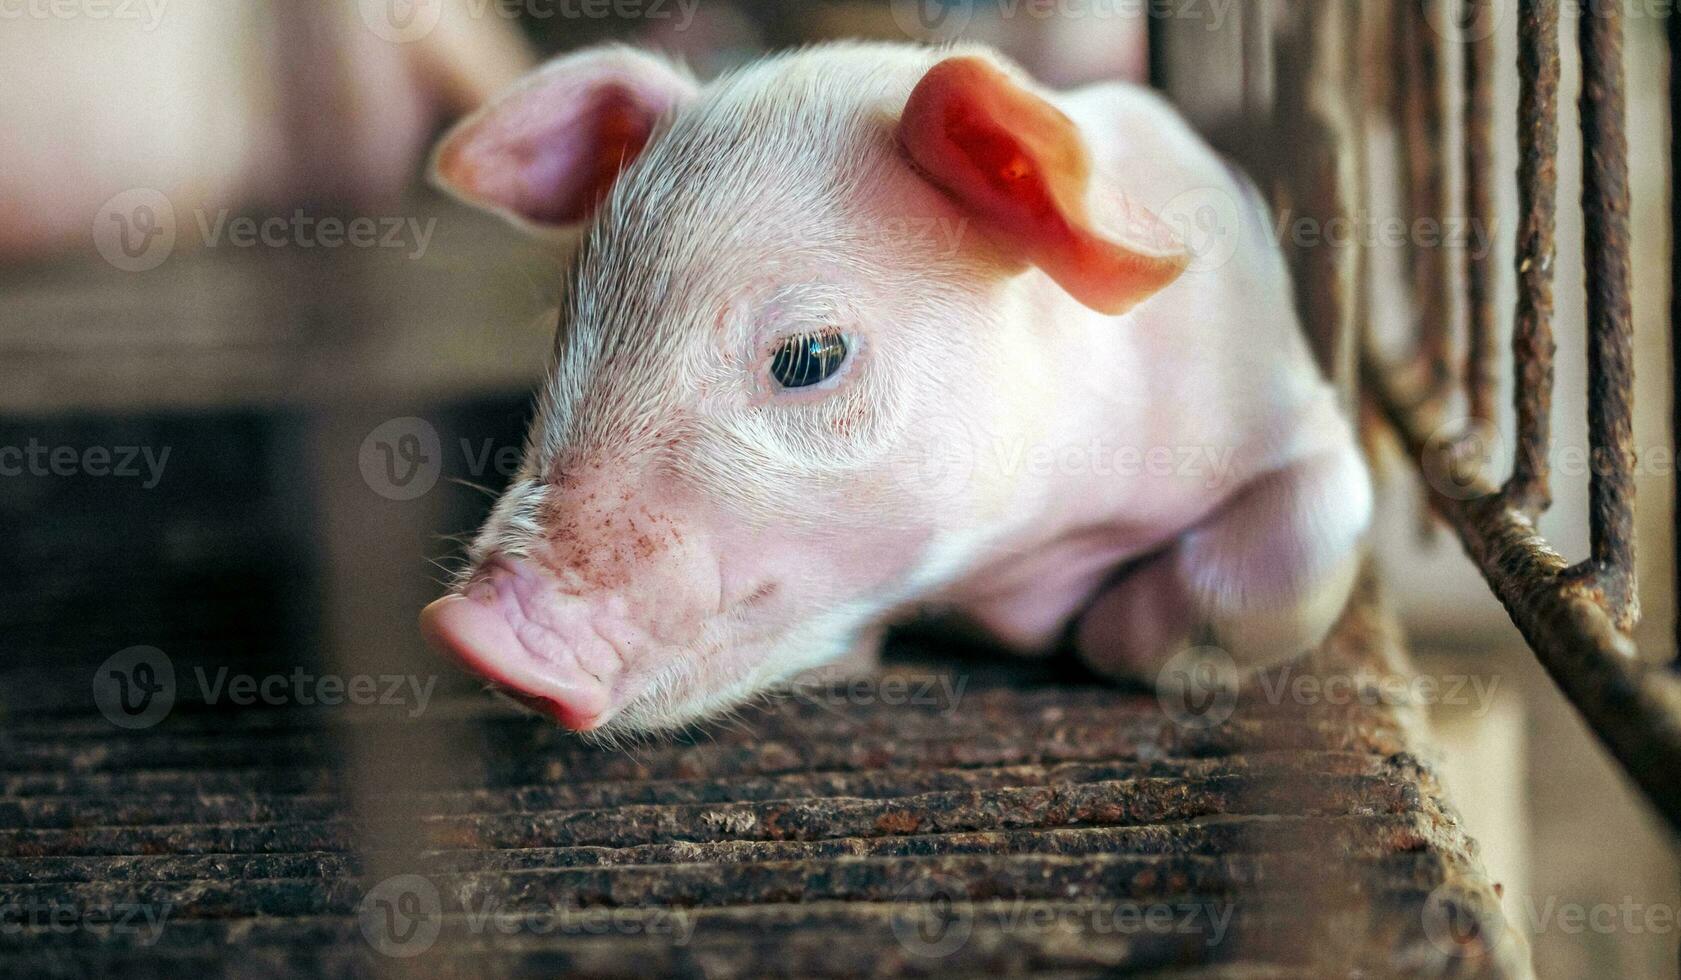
(635, 573)
(686, 532)
(511, 605)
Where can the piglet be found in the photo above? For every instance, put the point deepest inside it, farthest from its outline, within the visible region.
(868, 329)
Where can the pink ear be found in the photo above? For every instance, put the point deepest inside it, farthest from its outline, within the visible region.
(1018, 165)
(550, 149)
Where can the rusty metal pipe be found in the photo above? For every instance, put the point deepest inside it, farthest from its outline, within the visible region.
(1420, 113)
(1635, 710)
(1480, 342)
(1674, 25)
(1605, 213)
(1532, 332)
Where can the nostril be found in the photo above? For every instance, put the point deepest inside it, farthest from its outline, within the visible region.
(499, 568)
(479, 590)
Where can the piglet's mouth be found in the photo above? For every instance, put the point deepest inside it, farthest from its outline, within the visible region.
(512, 627)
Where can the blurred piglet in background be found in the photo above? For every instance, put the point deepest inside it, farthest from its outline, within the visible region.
(866, 329)
(255, 104)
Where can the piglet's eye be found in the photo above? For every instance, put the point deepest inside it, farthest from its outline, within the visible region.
(806, 359)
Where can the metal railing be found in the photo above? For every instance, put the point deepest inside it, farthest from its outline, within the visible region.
(1578, 618)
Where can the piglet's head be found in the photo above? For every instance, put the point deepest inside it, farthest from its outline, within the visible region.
(784, 360)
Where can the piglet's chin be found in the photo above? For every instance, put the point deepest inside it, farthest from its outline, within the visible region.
(490, 631)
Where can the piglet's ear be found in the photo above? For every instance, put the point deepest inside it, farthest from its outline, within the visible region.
(548, 150)
(1019, 167)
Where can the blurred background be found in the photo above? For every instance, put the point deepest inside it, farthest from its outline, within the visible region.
(254, 373)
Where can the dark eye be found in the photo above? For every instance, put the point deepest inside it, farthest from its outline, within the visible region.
(808, 358)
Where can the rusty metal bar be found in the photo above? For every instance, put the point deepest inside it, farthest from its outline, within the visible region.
(1420, 112)
(1605, 214)
(1532, 332)
(1635, 710)
(1307, 46)
(1480, 368)
(1577, 618)
(1674, 32)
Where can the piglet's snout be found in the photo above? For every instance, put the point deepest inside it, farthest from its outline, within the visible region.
(515, 626)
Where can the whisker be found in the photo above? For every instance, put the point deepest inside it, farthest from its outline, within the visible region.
(469, 484)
